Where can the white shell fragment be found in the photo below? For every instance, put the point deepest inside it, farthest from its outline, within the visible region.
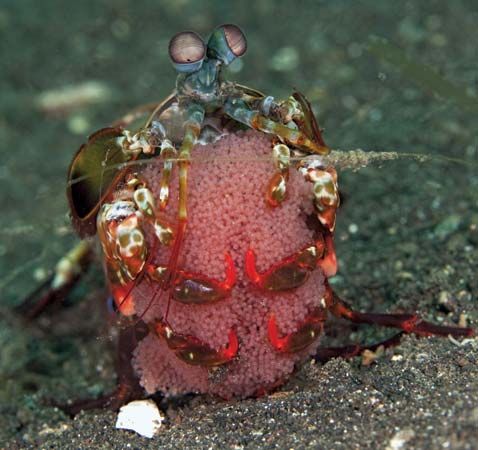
(142, 416)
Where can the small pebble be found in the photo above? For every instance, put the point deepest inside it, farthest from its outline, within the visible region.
(463, 320)
(446, 301)
(369, 356)
(142, 416)
(447, 226)
(464, 296)
(400, 439)
(353, 228)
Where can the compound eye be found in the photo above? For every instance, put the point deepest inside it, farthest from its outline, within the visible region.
(227, 43)
(187, 51)
(235, 39)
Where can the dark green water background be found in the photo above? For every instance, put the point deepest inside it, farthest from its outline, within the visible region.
(407, 233)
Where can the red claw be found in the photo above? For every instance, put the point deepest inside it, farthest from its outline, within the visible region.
(193, 351)
(290, 273)
(329, 262)
(306, 334)
(123, 298)
(194, 288)
(232, 347)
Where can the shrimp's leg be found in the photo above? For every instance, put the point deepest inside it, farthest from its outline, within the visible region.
(408, 323)
(192, 129)
(127, 388)
(238, 110)
(58, 285)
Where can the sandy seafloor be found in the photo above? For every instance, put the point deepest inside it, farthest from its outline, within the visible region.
(407, 234)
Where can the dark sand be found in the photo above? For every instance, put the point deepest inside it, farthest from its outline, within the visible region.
(407, 233)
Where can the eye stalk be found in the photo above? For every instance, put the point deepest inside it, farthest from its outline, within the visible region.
(227, 43)
(187, 51)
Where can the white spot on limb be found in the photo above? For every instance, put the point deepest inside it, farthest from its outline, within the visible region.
(119, 210)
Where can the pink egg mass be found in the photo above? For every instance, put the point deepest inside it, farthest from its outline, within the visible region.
(229, 223)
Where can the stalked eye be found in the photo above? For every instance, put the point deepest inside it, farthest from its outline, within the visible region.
(187, 51)
(235, 39)
(227, 43)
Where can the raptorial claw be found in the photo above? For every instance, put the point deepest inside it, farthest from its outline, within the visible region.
(239, 111)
